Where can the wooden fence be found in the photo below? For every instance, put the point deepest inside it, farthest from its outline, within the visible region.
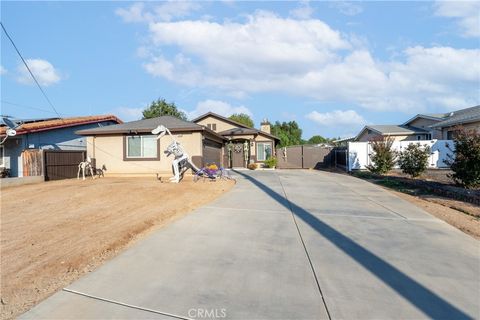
(304, 157)
(52, 164)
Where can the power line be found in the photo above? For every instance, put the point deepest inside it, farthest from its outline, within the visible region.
(27, 107)
(30, 71)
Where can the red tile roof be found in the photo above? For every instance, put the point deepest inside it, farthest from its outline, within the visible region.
(60, 123)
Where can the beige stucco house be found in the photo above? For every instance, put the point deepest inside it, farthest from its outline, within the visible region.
(243, 144)
(130, 148)
(466, 119)
(425, 126)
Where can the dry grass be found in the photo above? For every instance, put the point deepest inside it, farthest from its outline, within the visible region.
(52, 233)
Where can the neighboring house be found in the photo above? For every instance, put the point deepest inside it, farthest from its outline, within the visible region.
(131, 149)
(47, 133)
(398, 133)
(244, 144)
(439, 126)
(468, 119)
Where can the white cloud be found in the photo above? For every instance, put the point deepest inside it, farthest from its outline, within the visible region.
(337, 118)
(166, 11)
(304, 11)
(268, 53)
(128, 114)
(43, 71)
(220, 107)
(347, 8)
(3, 70)
(467, 14)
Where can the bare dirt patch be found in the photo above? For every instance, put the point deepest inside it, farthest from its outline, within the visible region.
(444, 210)
(54, 232)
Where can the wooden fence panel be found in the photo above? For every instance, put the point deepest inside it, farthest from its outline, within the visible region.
(316, 157)
(290, 157)
(32, 162)
(62, 164)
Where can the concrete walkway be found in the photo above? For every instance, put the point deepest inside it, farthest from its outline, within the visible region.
(287, 245)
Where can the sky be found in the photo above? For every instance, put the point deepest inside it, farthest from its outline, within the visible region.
(333, 67)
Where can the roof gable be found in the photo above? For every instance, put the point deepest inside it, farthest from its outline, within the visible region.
(434, 117)
(222, 118)
(459, 117)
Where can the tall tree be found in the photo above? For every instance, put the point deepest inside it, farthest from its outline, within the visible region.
(160, 107)
(317, 139)
(243, 118)
(289, 133)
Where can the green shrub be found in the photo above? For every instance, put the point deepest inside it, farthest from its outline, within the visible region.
(270, 162)
(414, 159)
(383, 157)
(466, 163)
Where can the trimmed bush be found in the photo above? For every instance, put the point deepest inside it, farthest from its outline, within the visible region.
(466, 163)
(270, 162)
(383, 157)
(414, 159)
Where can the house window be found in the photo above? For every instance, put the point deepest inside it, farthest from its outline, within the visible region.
(141, 147)
(264, 150)
(451, 134)
(419, 137)
(212, 126)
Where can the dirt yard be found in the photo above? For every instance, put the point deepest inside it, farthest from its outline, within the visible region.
(467, 221)
(54, 232)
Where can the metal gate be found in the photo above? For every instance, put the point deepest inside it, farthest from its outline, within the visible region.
(304, 157)
(62, 164)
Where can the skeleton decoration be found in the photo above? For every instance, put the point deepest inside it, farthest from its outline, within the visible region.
(181, 160)
(245, 151)
(84, 166)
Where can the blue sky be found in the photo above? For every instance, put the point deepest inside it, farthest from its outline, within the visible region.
(331, 66)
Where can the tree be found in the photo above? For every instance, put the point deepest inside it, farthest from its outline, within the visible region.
(414, 159)
(243, 118)
(160, 107)
(317, 140)
(383, 157)
(289, 133)
(466, 162)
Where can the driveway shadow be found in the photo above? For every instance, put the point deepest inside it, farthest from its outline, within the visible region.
(421, 297)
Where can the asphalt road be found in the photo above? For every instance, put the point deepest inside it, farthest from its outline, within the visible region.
(287, 245)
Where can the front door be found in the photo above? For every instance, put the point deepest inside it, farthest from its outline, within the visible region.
(238, 158)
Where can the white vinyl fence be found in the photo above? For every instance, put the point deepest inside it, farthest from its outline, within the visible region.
(359, 152)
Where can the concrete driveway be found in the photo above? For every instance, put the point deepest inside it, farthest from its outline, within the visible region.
(287, 245)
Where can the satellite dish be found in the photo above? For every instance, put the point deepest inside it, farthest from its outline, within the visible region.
(11, 132)
(11, 124)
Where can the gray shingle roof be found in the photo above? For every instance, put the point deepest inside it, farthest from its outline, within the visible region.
(459, 117)
(145, 125)
(396, 129)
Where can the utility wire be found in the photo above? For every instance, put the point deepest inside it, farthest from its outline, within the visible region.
(27, 107)
(30, 71)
